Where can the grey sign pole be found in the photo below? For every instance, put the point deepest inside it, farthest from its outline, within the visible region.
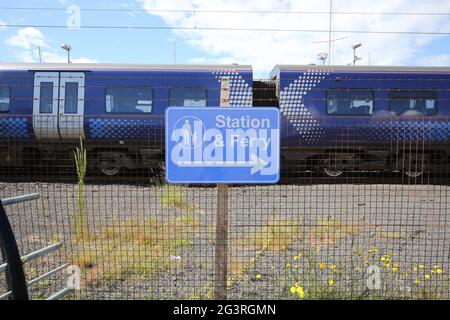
(221, 245)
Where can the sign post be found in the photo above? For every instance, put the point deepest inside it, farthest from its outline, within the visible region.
(221, 244)
(220, 145)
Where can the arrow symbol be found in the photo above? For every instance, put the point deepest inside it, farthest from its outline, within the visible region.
(256, 164)
(259, 164)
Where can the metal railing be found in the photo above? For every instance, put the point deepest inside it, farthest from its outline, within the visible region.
(13, 267)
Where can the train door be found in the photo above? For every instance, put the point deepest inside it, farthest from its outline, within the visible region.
(58, 105)
(45, 105)
(71, 105)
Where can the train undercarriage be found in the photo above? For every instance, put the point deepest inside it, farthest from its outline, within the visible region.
(332, 162)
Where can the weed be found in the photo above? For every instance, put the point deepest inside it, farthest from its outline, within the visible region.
(173, 198)
(133, 247)
(329, 231)
(80, 156)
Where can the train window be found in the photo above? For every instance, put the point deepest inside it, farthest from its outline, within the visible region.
(46, 97)
(129, 99)
(412, 102)
(188, 97)
(71, 97)
(4, 99)
(350, 102)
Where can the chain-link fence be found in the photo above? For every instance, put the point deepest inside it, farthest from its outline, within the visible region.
(341, 223)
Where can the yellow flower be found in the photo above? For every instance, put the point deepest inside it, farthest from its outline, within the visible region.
(258, 276)
(330, 282)
(288, 265)
(427, 276)
(438, 270)
(293, 289)
(322, 266)
(295, 257)
(436, 267)
(415, 269)
(358, 269)
(300, 292)
(394, 269)
(333, 267)
(421, 266)
(417, 281)
(295, 267)
(396, 265)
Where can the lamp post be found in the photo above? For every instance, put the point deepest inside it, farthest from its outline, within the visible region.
(322, 56)
(355, 57)
(67, 48)
(328, 53)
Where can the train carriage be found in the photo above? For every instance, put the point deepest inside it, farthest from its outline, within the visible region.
(118, 109)
(346, 118)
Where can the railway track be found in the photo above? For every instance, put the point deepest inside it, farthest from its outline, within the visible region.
(149, 177)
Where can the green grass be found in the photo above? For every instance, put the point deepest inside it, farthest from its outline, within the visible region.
(133, 247)
(174, 198)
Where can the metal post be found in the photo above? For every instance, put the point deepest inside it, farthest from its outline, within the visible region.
(15, 276)
(221, 245)
(329, 33)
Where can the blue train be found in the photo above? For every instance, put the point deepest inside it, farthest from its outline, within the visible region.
(334, 119)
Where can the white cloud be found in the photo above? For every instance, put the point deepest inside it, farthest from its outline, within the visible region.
(27, 38)
(26, 41)
(265, 49)
(57, 57)
(198, 60)
(435, 60)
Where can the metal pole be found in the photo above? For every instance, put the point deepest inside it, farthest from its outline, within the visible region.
(221, 245)
(329, 34)
(174, 52)
(354, 56)
(15, 276)
(18, 199)
(40, 57)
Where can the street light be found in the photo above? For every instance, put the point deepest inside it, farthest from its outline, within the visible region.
(67, 48)
(355, 57)
(322, 56)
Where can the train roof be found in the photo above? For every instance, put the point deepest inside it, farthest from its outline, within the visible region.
(335, 68)
(116, 66)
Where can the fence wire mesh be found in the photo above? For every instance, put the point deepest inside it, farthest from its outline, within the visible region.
(328, 229)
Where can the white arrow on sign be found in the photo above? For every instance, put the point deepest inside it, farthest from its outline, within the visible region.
(256, 164)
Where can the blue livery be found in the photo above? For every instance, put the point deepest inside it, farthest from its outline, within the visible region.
(337, 118)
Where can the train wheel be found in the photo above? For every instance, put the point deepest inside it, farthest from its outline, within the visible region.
(109, 166)
(332, 167)
(414, 165)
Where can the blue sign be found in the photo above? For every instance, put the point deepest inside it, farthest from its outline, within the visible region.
(222, 145)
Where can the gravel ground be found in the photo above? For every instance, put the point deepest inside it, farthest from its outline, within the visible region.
(349, 226)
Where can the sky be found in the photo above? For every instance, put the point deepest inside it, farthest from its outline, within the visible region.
(262, 49)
